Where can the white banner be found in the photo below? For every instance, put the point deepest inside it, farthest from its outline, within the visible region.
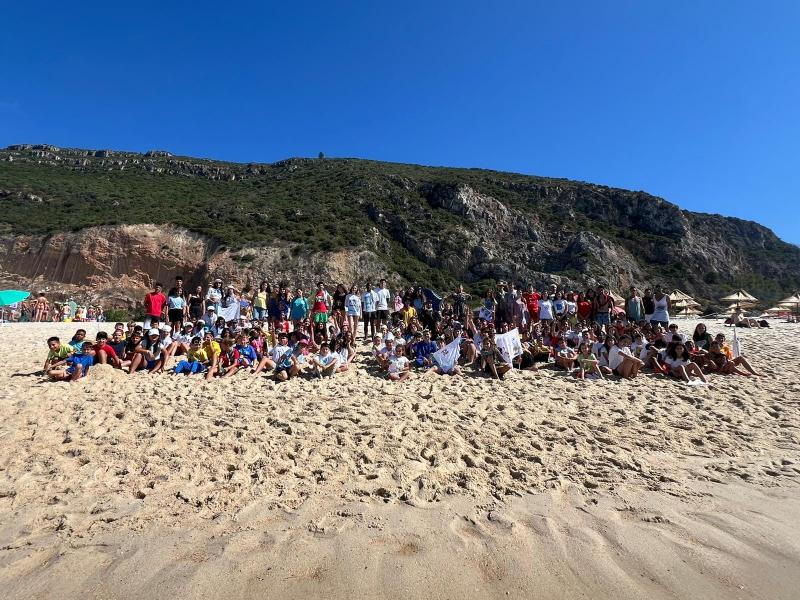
(230, 312)
(446, 357)
(509, 345)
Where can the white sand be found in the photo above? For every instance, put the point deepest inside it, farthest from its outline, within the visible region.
(535, 487)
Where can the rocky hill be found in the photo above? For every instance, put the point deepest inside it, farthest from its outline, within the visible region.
(106, 223)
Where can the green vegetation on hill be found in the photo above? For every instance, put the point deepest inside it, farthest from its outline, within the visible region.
(326, 205)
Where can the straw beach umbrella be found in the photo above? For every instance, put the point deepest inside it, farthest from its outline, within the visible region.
(740, 297)
(792, 301)
(677, 296)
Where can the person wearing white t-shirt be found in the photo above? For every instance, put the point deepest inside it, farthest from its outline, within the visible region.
(399, 367)
(621, 359)
(677, 359)
(545, 309)
(382, 298)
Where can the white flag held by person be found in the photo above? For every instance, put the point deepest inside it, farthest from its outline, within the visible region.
(230, 312)
(446, 357)
(509, 344)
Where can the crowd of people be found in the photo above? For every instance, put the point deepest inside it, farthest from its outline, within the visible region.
(219, 331)
(39, 309)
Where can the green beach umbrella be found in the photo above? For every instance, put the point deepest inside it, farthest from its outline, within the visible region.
(12, 296)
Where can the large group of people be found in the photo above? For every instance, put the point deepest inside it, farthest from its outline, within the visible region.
(220, 332)
(39, 309)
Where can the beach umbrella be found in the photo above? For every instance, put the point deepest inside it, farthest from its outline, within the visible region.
(677, 295)
(688, 303)
(12, 296)
(740, 297)
(793, 300)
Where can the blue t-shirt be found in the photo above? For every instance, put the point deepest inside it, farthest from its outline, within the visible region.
(175, 303)
(299, 308)
(368, 301)
(247, 352)
(424, 350)
(81, 361)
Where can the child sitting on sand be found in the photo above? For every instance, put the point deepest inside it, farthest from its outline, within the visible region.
(57, 352)
(677, 359)
(74, 366)
(226, 362)
(587, 363)
(196, 361)
(324, 363)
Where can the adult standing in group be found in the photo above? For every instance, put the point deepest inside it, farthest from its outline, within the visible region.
(260, 299)
(368, 306)
(648, 305)
(196, 303)
(460, 308)
(176, 308)
(383, 297)
(319, 310)
(214, 296)
(633, 306)
(352, 306)
(154, 305)
(662, 306)
(603, 306)
(531, 298)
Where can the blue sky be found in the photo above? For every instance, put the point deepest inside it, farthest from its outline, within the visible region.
(693, 101)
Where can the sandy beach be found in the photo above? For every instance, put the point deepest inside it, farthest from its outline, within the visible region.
(539, 486)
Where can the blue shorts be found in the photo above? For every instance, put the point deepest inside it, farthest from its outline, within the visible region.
(259, 313)
(603, 318)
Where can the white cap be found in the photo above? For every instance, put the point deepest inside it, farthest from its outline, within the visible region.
(166, 328)
(153, 331)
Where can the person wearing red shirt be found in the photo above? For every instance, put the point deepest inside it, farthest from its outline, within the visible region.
(531, 300)
(584, 308)
(154, 304)
(104, 353)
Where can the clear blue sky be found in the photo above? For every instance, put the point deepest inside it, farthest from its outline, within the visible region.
(698, 102)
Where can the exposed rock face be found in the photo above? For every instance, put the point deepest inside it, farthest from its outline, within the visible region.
(300, 220)
(119, 264)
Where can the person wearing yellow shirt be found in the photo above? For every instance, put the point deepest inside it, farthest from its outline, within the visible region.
(408, 312)
(210, 345)
(197, 359)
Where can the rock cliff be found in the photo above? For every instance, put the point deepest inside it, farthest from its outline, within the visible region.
(108, 224)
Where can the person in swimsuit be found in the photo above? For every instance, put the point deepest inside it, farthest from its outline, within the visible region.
(603, 306)
(41, 309)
